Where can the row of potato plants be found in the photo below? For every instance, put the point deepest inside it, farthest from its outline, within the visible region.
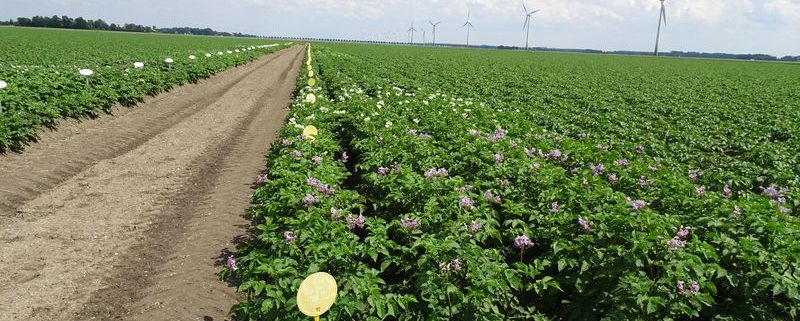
(430, 206)
(39, 95)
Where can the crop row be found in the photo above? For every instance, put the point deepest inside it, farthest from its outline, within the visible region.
(38, 95)
(427, 203)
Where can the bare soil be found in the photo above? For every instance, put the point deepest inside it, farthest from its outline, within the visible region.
(130, 216)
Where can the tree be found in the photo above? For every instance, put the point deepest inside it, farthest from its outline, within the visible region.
(100, 24)
(80, 23)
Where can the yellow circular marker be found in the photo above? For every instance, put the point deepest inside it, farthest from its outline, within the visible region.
(312, 82)
(310, 73)
(311, 98)
(316, 294)
(310, 131)
(309, 68)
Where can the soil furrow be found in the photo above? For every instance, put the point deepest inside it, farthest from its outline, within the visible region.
(134, 232)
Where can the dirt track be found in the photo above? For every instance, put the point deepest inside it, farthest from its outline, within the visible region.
(128, 217)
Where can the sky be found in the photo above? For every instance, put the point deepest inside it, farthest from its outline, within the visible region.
(732, 26)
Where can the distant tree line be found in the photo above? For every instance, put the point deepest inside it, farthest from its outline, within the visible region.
(66, 22)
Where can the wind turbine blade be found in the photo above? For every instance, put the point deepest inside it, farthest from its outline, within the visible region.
(664, 14)
(527, 21)
(524, 7)
(465, 24)
(535, 11)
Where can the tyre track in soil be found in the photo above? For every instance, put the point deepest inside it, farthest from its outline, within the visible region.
(135, 229)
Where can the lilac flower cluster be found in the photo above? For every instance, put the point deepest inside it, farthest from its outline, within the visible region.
(473, 227)
(382, 171)
(297, 154)
(231, 263)
(726, 191)
(601, 148)
(409, 223)
(322, 188)
(776, 197)
(637, 204)
(436, 172)
(529, 152)
(522, 242)
(613, 178)
(309, 200)
(554, 207)
(335, 213)
(699, 191)
(420, 135)
(289, 237)
(316, 160)
(487, 195)
(693, 288)
(644, 182)
(499, 134)
(737, 212)
(286, 142)
(261, 179)
(584, 224)
(354, 222)
(344, 157)
(693, 174)
(474, 132)
(454, 265)
(678, 242)
(621, 162)
(466, 202)
(598, 169)
(465, 188)
(652, 169)
(498, 158)
(556, 155)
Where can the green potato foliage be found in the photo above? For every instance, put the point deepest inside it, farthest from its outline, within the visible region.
(41, 69)
(531, 186)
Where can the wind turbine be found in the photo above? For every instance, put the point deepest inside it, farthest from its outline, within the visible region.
(527, 24)
(411, 31)
(468, 25)
(423, 36)
(434, 30)
(661, 16)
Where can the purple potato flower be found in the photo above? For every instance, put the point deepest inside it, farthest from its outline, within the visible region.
(522, 242)
(231, 263)
(286, 142)
(466, 202)
(613, 178)
(675, 244)
(598, 169)
(297, 154)
(261, 179)
(316, 160)
(554, 207)
(289, 237)
(621, 162)
(382, 170)
(498, 158)
(693, 174)
(309, 200)
(726, 191)
(584, 224)
(344, 157)
(409, 223)
(693, 288)
(354, 222)
(699, 191)
(473, 227)
(335, 213)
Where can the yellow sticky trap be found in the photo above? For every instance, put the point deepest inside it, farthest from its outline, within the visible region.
(312, 82)
(310, 131)
(311, 98)
(316, 294)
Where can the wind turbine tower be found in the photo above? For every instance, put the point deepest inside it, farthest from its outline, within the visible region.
(528, 15)
(434, 30)
(468, 25)
(661, 17)
(411, 32)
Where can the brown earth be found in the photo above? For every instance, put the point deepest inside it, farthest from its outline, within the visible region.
(130, 216)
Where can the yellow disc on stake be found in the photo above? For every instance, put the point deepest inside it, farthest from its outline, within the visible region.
(310, 73)
(316, 294)
(312, 82)
(309, 68)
